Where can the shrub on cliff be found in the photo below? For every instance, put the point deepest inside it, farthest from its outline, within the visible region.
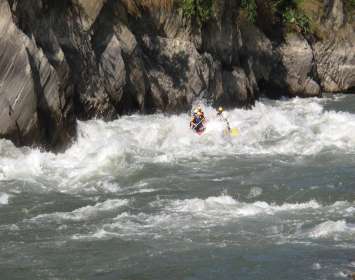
(199, 10)
(287, 12)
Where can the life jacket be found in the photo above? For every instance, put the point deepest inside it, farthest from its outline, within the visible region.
(197, 120)
(202, 115)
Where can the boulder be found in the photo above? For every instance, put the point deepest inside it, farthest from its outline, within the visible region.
(221, 36)
(257, 48)
(89, 10)
(297, 63)
(335, 16)
(177, 72)
(238, 90)
(335, 60)
(31, 104)
(113, 70)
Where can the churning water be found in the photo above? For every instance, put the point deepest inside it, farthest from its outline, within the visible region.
(145, 198)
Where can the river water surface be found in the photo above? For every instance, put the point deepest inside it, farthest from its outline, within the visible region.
(145, 198)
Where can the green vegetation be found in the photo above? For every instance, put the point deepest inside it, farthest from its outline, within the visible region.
(350, 6)
(298, 19)
(199, 10)
(298, 15)
(250, 7)
(287, 11)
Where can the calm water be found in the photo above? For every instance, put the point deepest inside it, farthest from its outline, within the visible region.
(145, 198)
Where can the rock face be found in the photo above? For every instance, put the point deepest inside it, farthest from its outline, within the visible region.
(33, 108)
(335, 55)
(335, 60)
(297, 61)
(63, 60)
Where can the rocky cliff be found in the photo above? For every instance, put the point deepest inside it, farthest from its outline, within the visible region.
(69, 59)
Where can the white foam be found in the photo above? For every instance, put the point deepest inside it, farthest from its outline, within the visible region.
(143, 191)
(100, 234)
(226, 205)
(255, 192)
(84, 213)
(316, 266)
(4, 198)
(122, 147)
(332, 229)
(179, 216)
(350, 211)
(341, 274)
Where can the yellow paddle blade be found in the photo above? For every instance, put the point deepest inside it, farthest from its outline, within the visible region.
(234, 132)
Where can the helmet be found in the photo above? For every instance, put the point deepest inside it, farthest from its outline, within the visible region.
(195, 111)
(199, 108)
(220, 109)
(199, 114)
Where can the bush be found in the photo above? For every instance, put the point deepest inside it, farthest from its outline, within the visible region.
(199, 10)
(286, 10)
(250, 7)
(298, 19)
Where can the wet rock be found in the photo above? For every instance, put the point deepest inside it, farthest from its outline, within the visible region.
(178, 74)
(297, 62)
(336, 63)
(335, 16)
(89, 11)
(237, 88)
(85, 59)
(31, 104)
(113, 69)
(335, 55)
(257, 48)
(221, 36)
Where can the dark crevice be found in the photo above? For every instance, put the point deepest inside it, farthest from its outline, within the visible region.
(47, 124)
(314, 70)
(19, 135)
(103, 28)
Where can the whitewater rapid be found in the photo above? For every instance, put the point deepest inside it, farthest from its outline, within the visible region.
(152, 188)
(298, 127)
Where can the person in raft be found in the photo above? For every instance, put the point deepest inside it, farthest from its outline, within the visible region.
(197, 121)
(199, 109)
(222, 115)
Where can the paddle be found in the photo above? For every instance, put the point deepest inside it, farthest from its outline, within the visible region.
(234, 132)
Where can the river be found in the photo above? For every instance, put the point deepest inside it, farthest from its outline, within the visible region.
(143, 197)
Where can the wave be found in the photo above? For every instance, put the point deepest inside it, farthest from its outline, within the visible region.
(4, 198)
(226, 205)
(332, 229)
(123, 147)
(83, 213)
(286, 222)
(180, 216)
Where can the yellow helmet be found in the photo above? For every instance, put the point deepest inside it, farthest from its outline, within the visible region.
(195, 111)
(220, 109)
(199, 108)
(199, 113)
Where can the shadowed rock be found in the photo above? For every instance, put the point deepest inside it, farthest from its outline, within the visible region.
(30, 101)
(297, 59)
(84, 59)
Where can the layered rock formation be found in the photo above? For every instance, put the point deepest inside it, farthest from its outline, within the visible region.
(69, 59)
